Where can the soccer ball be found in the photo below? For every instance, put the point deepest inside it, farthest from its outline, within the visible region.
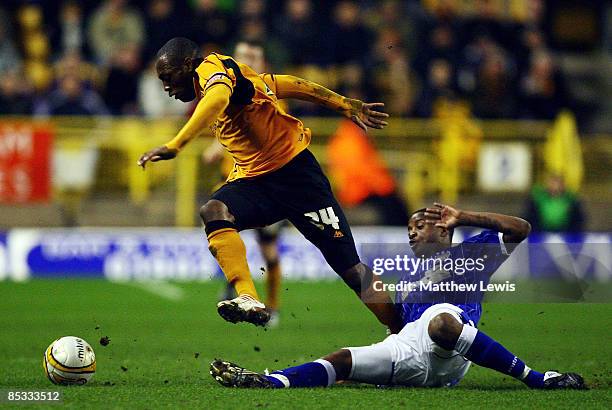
(69, 360)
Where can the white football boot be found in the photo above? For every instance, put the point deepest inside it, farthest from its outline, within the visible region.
(244, 308)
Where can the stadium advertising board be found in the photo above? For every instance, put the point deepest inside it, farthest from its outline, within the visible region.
(504, 167)
(125, 254)
(4, 265)
(25, 152)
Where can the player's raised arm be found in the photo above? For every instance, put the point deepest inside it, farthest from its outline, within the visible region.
(514, 229)
(363, 114)
(210, 107)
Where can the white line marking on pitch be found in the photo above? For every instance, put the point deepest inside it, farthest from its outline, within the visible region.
(160, 288)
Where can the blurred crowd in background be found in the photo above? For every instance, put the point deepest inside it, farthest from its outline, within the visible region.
(96, 57)
(485, 59)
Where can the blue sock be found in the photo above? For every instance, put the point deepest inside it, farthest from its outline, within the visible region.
(486, 352)
(534, 379)
(319, 373)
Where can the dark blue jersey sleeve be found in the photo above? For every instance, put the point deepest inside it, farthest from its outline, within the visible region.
(488, 249)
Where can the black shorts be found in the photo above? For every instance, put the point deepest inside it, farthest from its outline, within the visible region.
(301, 193)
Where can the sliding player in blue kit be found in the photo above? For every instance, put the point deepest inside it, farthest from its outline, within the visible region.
(440, 338)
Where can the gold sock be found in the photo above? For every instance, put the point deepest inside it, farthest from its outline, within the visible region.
(272, 285)
(228, 248)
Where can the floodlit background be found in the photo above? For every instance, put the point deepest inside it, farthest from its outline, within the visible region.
(498, 105)
(493, 103)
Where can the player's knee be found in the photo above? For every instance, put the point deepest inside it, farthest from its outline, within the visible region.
(214, 210)
(342, 362)
(445, 330)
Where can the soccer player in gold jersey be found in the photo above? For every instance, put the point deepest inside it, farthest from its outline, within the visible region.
(252, 54)
(274, 176)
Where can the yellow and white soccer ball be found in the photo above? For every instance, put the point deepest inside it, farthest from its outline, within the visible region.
(69, 360)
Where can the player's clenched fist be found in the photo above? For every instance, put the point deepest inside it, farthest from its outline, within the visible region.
(157, 154)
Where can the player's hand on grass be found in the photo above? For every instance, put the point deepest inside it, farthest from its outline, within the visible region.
(443, 216)
(157, 154)
(367, 114)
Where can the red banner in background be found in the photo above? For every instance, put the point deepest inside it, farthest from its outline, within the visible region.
(25, 162)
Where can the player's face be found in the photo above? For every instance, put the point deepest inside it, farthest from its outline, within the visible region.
(423, 235)
(177, 81)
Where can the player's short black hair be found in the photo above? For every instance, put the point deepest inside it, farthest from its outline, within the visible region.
(177, 50)
(418, 211)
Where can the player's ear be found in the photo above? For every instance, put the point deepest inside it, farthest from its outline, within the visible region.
(189, 64)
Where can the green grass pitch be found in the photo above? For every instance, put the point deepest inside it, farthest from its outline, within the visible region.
(160, 349)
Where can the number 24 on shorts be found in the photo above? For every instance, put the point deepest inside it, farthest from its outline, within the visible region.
(325, 216)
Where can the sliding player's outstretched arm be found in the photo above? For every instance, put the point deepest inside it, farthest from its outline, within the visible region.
(514, 229)
(210, 107)
(363, 114)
